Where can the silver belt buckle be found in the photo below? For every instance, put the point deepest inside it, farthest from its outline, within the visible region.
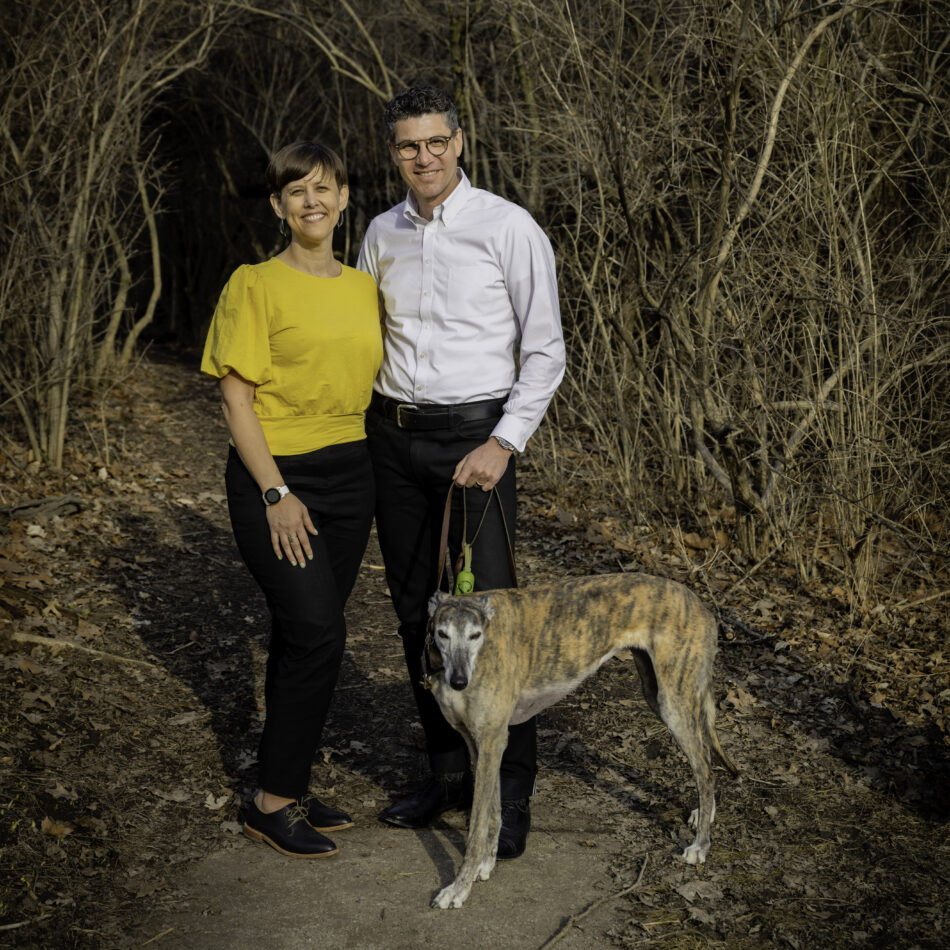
(400, 409)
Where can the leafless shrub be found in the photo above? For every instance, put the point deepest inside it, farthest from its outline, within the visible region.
(751, 288)
(79, 191)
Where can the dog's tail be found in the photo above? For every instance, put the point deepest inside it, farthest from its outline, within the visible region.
(709, 727)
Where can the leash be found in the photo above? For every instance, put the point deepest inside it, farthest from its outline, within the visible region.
(463, 565)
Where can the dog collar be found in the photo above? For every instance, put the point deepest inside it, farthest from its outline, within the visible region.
(428, 670)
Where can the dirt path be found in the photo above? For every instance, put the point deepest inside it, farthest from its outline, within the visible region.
(132, 649)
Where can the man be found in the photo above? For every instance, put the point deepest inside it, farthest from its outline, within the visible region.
(473, 354)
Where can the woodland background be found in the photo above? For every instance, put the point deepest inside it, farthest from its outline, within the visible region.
(749, 204)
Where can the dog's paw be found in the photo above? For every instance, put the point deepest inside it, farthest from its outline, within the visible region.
(695, 854)
(485, 869)
(451, 896)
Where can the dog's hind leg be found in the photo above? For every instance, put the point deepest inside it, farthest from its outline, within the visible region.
(683, 720)
(485, 820)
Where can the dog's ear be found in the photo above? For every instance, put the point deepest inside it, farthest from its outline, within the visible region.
(435, 600)
(485, 609)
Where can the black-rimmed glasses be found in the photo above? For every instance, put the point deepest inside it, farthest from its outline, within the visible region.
(435, 146)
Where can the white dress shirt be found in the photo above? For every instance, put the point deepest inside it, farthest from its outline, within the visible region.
(471, 306)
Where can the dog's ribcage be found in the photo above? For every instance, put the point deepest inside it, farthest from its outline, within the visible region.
(532, 701)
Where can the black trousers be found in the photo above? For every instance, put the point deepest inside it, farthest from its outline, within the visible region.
(308, 631)
(413, 473)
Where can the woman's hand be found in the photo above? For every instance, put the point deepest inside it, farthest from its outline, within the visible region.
(290, 530)
(289, 519)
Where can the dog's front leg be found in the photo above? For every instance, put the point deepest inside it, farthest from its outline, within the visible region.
(485, 821)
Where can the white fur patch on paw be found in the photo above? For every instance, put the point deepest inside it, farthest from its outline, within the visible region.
(694, 854)
(450, 896)
(485, 869)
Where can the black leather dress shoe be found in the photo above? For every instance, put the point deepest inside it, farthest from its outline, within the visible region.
(439, 794)
(515, 824)
(323, 817)
(287, 831)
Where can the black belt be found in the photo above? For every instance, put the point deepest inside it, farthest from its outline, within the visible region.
(426, 416)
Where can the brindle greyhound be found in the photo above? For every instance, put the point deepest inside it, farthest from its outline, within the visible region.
(501, 656)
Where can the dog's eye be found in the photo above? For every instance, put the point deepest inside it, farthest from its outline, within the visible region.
(442, 634)
(475, 636)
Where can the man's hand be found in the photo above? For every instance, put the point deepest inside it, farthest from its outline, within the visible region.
(482, 467)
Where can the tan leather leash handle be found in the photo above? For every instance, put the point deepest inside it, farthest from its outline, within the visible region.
(443, 566)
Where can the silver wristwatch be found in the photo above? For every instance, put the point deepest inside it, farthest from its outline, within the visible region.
(505, 444)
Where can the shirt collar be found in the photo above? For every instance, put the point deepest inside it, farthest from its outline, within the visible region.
(448, 209)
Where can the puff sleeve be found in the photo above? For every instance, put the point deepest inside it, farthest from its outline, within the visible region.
(239, 337)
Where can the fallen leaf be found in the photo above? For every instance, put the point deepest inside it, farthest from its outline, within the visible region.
(88, 631)
(216, 497)
(36, 581)
(143, 887)
(626, 544)
(32, 698)
(183, 719)
(215, 804)
(703, 890)
(58, 791)
(176, 795)
(739, 698)
(56, 829)
(702, 916)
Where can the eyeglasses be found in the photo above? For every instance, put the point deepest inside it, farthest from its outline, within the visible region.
(436, 146)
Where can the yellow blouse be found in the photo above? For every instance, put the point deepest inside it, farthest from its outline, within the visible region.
(311, 345)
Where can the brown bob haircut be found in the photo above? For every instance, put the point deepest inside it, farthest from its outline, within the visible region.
(298, 160)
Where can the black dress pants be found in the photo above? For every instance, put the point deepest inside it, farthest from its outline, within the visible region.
(413, 472)
(308, 631)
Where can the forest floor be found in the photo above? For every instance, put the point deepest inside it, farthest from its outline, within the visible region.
(131, 653)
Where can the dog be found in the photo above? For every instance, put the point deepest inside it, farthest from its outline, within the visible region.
(500, 657)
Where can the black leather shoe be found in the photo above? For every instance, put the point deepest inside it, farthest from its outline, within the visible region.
(323, 817)
(287, 831)
(441, 793)
(515, 824)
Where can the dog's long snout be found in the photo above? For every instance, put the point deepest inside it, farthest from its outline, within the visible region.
(458, 681)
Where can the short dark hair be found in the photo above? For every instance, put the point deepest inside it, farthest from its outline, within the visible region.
(416, 101)
(296, 161)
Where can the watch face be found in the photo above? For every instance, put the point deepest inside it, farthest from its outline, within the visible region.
(272, 496)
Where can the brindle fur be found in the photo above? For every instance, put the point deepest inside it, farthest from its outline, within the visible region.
(501, 656)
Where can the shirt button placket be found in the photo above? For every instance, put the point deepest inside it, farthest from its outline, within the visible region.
(426, 301)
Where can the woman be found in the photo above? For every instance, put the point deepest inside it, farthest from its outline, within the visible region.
(296, 344)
